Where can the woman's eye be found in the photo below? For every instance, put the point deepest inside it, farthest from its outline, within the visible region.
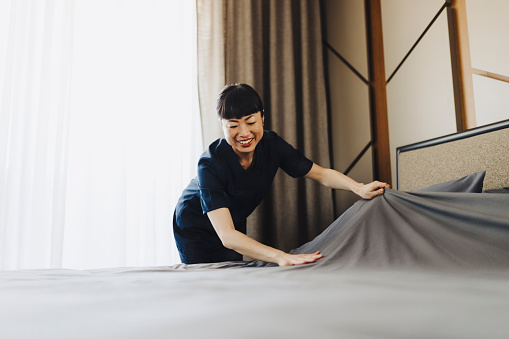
(233, 127)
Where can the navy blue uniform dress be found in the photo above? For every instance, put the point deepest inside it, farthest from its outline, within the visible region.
(223, 182)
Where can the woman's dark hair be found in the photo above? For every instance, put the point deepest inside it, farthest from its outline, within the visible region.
(237, 101)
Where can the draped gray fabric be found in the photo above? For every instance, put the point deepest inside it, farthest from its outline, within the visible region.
(275, 46)
(416, 230)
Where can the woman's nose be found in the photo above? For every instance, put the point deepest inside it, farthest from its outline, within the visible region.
(243, 129)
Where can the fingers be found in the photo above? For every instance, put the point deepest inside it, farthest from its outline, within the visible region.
(305, 258)
(376, 188)
(379, 185)
(299, 259)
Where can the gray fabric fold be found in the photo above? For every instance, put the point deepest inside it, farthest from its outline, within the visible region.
(416, 230)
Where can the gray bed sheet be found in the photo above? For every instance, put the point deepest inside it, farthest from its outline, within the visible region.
(418, 230)
(404, 265)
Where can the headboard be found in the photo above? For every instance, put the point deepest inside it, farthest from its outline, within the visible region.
(456, 155)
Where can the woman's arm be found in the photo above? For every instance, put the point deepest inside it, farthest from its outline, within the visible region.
(334, 179)
(222, 221)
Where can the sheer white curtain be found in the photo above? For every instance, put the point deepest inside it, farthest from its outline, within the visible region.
(99, 130)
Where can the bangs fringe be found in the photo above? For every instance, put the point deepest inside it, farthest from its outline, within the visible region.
(237, 101)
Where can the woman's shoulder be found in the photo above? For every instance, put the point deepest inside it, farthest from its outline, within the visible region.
(215, 152)
(216, 148)
(270, 136)
(273, 139)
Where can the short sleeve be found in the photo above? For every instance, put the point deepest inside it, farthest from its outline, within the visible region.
(212, 184)
(292, 161)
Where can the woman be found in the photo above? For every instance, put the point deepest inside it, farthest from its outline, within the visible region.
(234, 174)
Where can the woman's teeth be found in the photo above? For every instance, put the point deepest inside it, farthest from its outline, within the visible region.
(245, 142)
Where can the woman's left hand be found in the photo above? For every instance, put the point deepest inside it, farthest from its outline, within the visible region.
(371, 190)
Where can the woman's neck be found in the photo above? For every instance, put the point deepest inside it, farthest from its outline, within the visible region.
(245, 159)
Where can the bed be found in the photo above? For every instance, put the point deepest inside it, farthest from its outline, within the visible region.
(429, 260)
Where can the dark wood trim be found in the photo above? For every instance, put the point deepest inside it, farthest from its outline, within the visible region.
(461, 65)
(378, 92)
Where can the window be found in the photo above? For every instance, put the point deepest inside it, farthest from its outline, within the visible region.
(101, 133)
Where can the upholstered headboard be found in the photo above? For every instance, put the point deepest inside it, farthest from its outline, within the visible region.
(456, 155)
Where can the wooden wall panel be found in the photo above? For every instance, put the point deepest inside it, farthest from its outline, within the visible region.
(378, 95)
(461, 66)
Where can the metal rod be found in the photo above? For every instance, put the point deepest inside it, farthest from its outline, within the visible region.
(356, 160)
(336, 53)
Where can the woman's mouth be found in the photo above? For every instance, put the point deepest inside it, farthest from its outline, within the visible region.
(246, 143)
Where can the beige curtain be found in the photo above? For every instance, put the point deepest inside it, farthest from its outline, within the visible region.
(275, 46)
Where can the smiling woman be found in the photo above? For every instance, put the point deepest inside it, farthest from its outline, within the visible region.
(243, 135)
(241, 113)
(234, 174)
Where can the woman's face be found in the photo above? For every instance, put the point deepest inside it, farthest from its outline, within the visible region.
(244, 134)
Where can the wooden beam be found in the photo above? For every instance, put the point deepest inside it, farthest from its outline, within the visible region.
(377, 92)
(461, 65)
(490, 75)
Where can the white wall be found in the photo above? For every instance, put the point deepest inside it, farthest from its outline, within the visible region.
(420, 97)
(488, 29)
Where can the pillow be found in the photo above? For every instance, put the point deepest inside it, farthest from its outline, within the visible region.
(469, 184)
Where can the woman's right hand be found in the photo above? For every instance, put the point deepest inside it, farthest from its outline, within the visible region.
(298, 259)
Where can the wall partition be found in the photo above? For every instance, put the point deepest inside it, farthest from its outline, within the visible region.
(445, 71)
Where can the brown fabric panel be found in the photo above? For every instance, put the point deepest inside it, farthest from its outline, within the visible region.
(275, 46)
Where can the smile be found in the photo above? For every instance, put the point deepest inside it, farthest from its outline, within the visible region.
(246, 143)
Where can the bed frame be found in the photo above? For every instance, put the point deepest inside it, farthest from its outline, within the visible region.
(453, 156)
